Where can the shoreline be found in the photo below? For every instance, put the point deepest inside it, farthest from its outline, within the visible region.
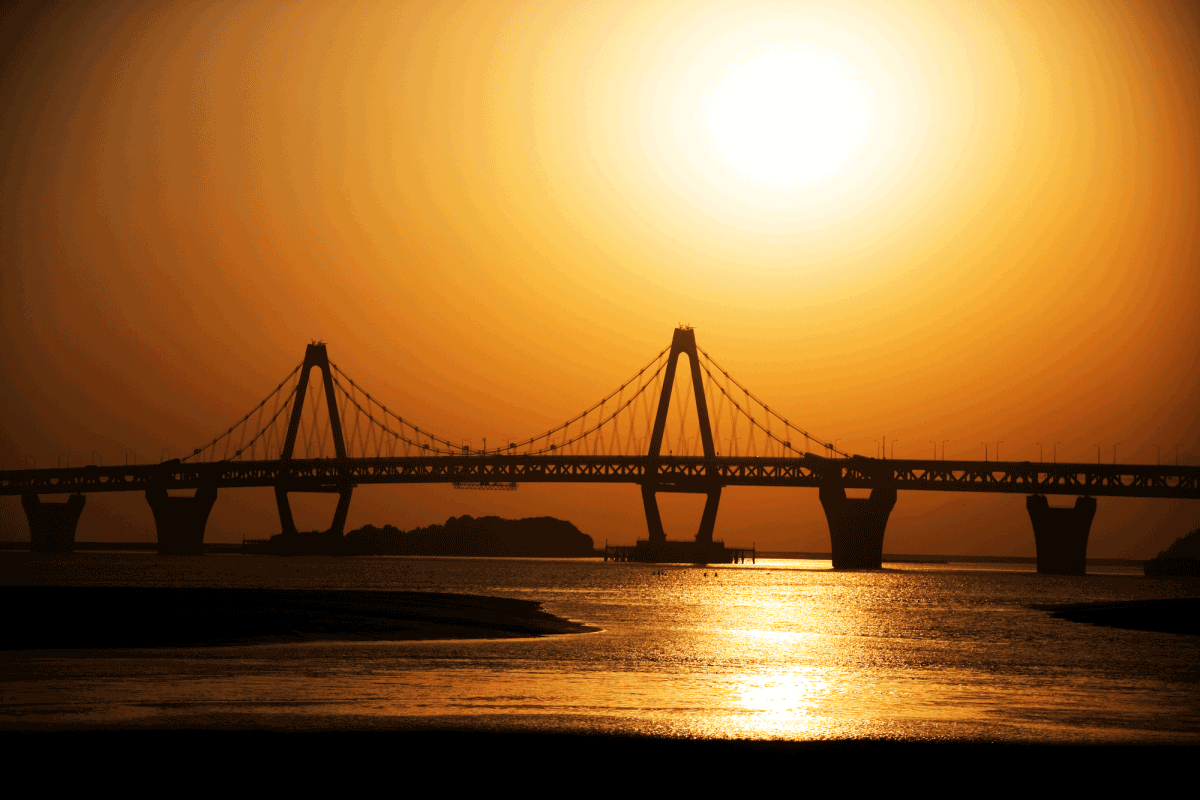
(111, 617)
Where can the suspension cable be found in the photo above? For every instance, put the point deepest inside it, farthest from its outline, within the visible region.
(243, 420)
(766, 408)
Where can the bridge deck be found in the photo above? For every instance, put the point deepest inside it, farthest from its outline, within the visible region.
(679, 473)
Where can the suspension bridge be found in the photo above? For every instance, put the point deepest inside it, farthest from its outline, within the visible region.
(340, 436)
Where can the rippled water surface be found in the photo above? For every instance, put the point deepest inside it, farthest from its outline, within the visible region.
(780, 649)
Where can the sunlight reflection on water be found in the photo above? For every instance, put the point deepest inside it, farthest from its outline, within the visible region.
(781, 649)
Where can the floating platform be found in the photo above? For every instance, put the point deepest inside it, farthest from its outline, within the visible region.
(676, 552)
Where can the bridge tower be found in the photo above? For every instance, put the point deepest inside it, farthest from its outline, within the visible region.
(683, 342)
(315, 356)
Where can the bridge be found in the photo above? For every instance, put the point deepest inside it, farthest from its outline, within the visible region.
(343, 438)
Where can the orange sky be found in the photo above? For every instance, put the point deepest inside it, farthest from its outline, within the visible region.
(494, 213)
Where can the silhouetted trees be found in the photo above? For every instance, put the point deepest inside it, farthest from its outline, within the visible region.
(1181, 558)
(539, 537)
(1186, 546)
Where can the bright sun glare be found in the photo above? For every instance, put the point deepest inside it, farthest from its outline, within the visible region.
(788, 116)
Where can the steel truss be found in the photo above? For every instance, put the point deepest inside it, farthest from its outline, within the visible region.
(669, 473)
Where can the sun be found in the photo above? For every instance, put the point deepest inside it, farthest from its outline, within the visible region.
(787, 116)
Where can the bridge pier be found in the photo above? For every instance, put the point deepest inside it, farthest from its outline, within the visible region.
(1061, 534)
(287, 522)
(653, 518)
(180, 521)
(52, 525)
(704, 536)
(856, 525)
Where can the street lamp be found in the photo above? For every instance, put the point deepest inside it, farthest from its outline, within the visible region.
(877, 451)
(1097, 452)
(1115, 452)
(944, 448)
(985, 450)
(1056, 444)
(1040, 452)
(894, 448)
(998, 449)
(934, 449)
(1157, 454)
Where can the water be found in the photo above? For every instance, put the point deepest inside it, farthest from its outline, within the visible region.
(781, 649)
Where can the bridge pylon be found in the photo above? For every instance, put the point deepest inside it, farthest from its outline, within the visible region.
(315, 356)
(683, 342)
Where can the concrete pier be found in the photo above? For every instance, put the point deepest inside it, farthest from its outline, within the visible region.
(180, 521)
(708, 519)
(52, 525)
(1061, 534)
(856, 526)
(287, 523)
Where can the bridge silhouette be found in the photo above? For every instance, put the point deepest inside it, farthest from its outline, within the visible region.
(342, 437)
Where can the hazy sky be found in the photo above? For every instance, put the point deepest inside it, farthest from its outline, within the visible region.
(936, 221)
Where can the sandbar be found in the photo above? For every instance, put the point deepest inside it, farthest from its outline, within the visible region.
(80, 618)
(1173, 615)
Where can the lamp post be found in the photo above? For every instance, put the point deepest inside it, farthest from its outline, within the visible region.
(998, 449)
(934, 449)
(944, 448)
(1097, 452)
(1056, 444)
(985, 450)
(1039, 444)
(894, 448)
(1115, 452)
(877, 450)
(1157, 454)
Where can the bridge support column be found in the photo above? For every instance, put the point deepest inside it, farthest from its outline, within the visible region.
(1061, 534)
(287, 523)
(653, 518)
(658, 536)
(856, 526)
(52, 525)
(180, 521)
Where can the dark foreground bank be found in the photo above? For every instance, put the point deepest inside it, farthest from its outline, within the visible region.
(1178, 615)
(623, 764)
(110, 617)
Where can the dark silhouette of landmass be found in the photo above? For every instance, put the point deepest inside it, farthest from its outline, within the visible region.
(489, 537)
(540, 537)
(1181, 559)
(77, 618)
(1174, 615)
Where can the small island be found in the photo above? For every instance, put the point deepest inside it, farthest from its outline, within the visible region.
(465, 536)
